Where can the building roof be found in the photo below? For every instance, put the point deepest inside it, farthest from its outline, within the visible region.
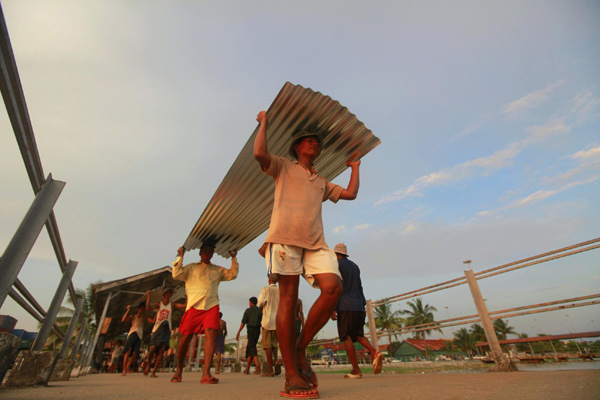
(432, 344)
(132, 291)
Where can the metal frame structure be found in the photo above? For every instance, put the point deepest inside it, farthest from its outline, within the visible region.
(46, 191)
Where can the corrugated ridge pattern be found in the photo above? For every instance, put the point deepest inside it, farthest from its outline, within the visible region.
(240, 209)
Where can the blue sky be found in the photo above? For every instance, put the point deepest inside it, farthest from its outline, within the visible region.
(487, 113)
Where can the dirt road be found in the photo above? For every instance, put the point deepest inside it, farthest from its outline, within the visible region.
(550, 385)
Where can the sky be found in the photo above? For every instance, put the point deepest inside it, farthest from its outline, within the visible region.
(488, 114)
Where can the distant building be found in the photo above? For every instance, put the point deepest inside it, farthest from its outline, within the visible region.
(27, 338)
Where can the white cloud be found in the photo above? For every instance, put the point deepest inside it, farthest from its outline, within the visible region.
(540, 195)
(585, 106)
(587, 154)
(361, 227)
(550, 128)
(533, 99)
(339, 229)
(484, 165)
(408, 228)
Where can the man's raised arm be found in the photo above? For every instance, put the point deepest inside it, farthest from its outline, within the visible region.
(179, 272)
(351, 191)
(261, 151)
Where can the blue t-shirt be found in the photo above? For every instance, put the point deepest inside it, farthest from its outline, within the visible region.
(352, 298)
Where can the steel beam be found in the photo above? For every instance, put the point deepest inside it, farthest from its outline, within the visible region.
(82, 329)
(100, 324)
(72, 326)
(24, 238)
(52, 312)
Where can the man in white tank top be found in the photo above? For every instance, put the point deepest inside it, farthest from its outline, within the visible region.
(161, 332)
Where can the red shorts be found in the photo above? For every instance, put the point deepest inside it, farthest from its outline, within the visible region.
(196, 321)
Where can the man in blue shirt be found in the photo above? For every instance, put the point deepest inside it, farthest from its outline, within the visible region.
(350, 313)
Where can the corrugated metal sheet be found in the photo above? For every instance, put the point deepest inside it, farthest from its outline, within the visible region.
(240, 209)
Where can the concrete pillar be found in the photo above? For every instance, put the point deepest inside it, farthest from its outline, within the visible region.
(72, 326)
(24, 238)
(59, 296)
(372, 326)
(30, 368)
(503, 363)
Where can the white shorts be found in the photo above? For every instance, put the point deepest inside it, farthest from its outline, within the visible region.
(285, 259)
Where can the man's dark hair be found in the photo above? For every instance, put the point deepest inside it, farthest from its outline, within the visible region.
(253, 300)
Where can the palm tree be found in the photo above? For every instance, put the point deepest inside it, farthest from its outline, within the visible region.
(387, 320)
(65, 314)
(420, 314)
(503, 329)
(478, 333)
(465, 340)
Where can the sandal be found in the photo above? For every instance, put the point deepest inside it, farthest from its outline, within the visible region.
(176, 379)
(312, 377)
(378, 363)
(211, 380)
(312, 394)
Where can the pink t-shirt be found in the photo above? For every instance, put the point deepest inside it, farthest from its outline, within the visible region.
(296, 219)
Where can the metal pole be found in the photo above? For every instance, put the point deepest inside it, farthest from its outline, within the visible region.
(372, 328)
(84, 350)
(499, 358)
(101, 323)
(72, 326)
(24, 238)
(82, 330)
(59, 296)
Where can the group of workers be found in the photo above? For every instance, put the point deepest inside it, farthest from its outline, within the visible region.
(295, 246)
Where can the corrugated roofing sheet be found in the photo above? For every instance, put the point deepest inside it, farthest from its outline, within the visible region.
(240, 209)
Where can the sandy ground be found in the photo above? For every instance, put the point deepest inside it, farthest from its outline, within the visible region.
(547, 385)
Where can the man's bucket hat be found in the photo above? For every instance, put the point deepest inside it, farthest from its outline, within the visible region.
(341, 248)
(302, 134)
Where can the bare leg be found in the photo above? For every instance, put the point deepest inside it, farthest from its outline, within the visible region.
(286, 331)
(184, 342)
(257, 365)
(269, 370)
(248, 363)
(351, 351)
(218, 368)
(319, 314)
(125, 365)
(209, 350)
(367, 345)
(149, 359)
(157, 362)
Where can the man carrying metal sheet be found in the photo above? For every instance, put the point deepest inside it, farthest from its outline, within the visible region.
(296, 246)
(202, 281)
